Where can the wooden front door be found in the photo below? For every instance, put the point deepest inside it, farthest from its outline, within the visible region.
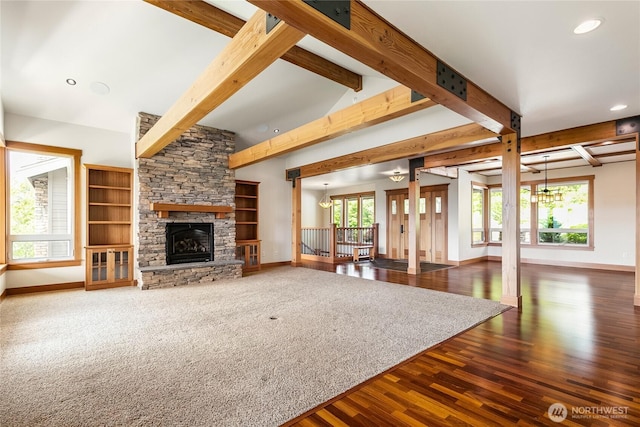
(397, 225)
(433, 225)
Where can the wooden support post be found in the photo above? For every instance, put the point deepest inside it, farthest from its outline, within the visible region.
(376, 239)
(296, 222)
(333, 252)
(511, 294)
(414, 223)
(636, 298)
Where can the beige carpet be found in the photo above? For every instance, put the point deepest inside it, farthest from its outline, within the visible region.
(256, 351)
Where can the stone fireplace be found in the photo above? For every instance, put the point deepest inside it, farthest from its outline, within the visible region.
(190, 172)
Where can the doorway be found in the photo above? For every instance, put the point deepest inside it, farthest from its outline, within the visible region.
(433, 224)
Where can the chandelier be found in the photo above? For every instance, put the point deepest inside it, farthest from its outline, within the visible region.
(325, 202)
(396, 177)
(545, 195)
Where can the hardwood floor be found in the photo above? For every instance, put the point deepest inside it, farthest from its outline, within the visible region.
(576, 341)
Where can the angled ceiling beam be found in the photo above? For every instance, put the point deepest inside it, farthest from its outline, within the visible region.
(218, 20)
(249, 53)
(388, 105)
(378, 44)
(412, 147)
(586, 155)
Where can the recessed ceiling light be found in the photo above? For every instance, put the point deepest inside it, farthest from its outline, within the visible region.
(99, 88)
(587, 26)
(618, 107)
(276, 131)
(71, 82)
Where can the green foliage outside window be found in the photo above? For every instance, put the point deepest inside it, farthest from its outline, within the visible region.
(22, 216)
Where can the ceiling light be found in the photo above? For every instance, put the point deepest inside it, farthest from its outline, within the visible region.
(618, 107)
(587, 26)
(325, 202)
(99, 88)
(71, 82)
(396, 177)
(545, 195)
(276, 131)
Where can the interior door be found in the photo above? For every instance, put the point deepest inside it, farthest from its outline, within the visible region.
(397, 222)
(439, 225)
(433, 224)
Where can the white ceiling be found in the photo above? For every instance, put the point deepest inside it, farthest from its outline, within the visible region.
(522, 52)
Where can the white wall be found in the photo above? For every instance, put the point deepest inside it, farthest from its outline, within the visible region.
(3, 278)
(3, 282)
(614, 219)
(1, 119)
(274, 209)
(99, 146)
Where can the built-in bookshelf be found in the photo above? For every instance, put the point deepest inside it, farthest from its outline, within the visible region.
(109, 256)
(247, 237)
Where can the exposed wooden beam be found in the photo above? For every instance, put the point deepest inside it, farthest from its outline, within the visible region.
(442, 171)
(605, 131)
(249, 53)
(412, 147)
(378, 44)
(525, 168)
(218, 20)
(464, 156)
(586, 155)
(388, 105)
(574, 136)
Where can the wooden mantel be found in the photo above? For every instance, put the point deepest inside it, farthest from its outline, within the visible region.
(163, 209)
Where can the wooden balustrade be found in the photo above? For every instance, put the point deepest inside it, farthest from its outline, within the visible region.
(335, 244)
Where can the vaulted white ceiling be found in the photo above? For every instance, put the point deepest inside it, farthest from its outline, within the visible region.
(524, 53)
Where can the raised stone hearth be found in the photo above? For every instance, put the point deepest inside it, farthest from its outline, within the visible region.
(192, 170)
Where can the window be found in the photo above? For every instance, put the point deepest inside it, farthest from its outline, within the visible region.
(367, 211)
(337, 211)
(556, 223)
(495, 223)
(354, 210)
(565, 221)
(477, 215)
(42, 197)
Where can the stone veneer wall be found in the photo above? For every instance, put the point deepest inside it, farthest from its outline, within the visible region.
(192, 170)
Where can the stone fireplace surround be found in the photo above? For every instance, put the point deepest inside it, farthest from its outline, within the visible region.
(192, 170)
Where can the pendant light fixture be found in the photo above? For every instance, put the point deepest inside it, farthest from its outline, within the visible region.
(545, 195)
(325, 202)
(396, 177)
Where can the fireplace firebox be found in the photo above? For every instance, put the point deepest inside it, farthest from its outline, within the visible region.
(189, 242)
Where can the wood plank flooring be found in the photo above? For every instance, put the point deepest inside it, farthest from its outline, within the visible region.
(576, 341)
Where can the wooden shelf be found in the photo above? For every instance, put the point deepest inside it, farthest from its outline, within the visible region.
(125, 205)
(163, 209)
(247, 241)
(109, 187)
(109, 250)
(110, 222)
